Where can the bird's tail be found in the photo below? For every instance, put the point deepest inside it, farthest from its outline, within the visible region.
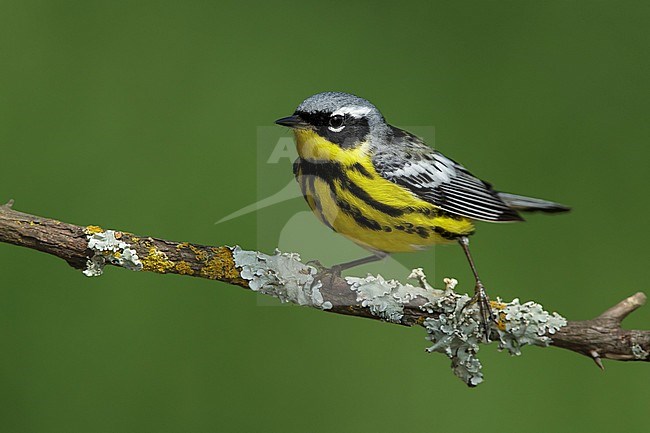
(529, 204)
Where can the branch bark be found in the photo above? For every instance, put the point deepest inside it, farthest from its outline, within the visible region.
(90, 248)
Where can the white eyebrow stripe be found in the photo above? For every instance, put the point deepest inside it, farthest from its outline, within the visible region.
(354, 111)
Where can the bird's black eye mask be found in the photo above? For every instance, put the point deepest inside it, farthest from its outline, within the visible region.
(344, 130)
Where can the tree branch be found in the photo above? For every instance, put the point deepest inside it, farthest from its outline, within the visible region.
(452, 325)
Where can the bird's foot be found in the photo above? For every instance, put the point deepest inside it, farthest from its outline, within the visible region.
(336, 270)
(316, 264)
(333, 273)
(485, 310)
(326, 275)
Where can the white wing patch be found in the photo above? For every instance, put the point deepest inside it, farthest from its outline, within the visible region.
(438, 180)
(427, 174)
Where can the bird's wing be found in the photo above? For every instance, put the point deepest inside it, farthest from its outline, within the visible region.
(434, 178)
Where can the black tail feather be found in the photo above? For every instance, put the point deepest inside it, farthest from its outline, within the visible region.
(529, 204)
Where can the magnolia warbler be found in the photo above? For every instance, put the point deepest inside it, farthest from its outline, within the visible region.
(386, 190)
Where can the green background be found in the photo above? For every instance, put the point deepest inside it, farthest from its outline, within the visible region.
(145, 116)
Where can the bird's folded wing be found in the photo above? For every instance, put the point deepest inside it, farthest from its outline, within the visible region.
(440, 181)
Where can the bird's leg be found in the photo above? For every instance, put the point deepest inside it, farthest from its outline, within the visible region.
(480, 296)
(377, 255)
(335, 271)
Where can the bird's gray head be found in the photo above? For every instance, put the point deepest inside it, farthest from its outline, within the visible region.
(341, 118)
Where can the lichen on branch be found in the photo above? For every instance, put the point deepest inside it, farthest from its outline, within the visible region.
(451, 323)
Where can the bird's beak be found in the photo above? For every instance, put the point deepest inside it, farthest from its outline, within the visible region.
(294, 122)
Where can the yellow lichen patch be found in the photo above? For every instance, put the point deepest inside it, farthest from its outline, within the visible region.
(91, 230)
(156, 261)
(220, 266)
(498, 307)
(130, 238)
(184, 268)
(501, 321)
(201, 255)
(182, 245)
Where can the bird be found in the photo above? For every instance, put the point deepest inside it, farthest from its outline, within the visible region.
(386, 190)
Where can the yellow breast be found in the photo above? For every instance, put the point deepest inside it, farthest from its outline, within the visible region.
(346, 193)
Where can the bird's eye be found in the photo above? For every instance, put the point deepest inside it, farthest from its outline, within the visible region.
(336, 123)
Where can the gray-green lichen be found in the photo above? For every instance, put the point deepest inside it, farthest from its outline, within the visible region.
(456, 332)
(527, 323)
(453, 323)
(386, 298)
(281, 275)
(107, 248)
(454, 327)
(639, 352)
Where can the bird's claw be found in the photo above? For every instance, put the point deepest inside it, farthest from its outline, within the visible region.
(322, 269)
(316, 264)
(487, 315)
(336, 270)
(325, 274)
